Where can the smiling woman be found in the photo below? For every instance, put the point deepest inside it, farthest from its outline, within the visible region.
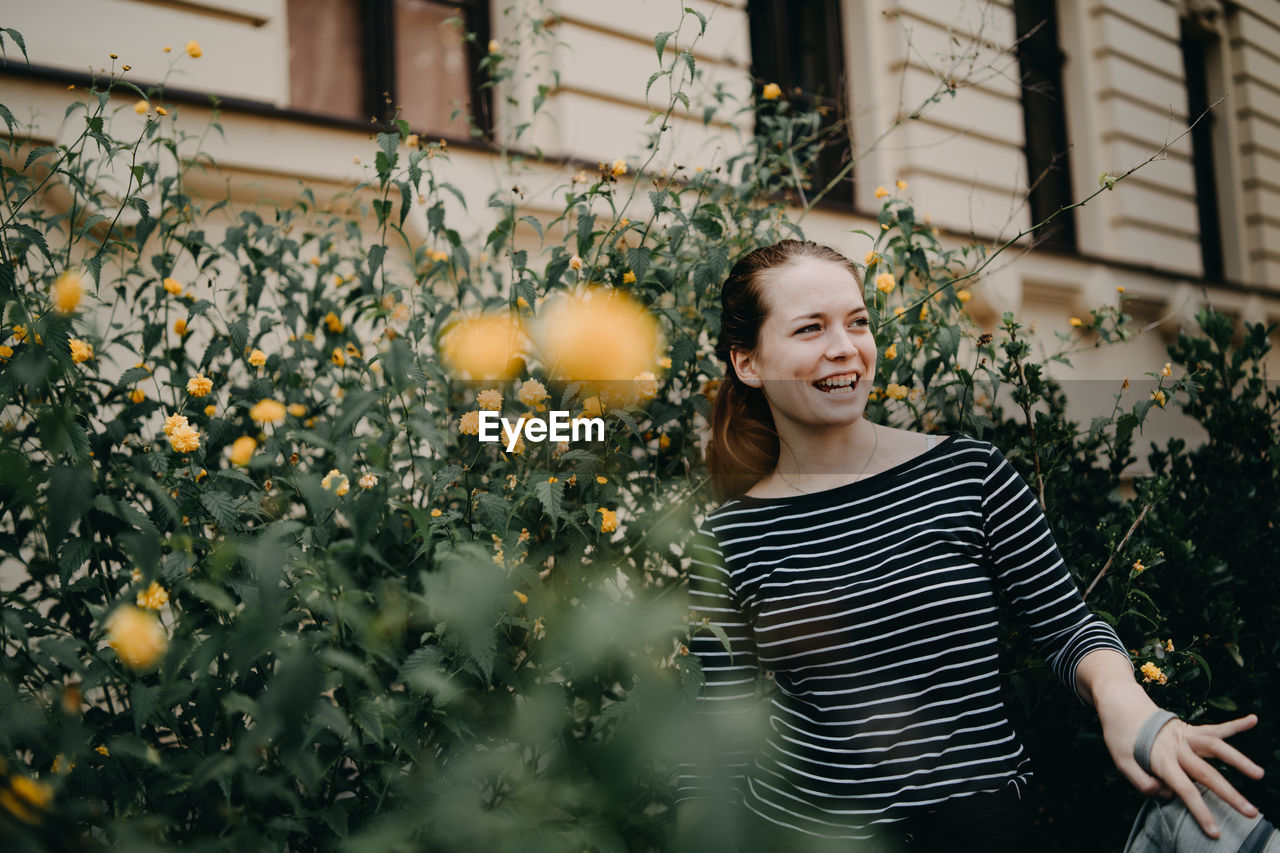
(856, 570)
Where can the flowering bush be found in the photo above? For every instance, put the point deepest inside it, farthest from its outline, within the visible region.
(275, 590)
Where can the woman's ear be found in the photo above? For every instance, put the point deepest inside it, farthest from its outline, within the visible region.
(744, 364)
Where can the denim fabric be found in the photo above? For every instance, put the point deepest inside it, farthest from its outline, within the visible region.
(1168, 827)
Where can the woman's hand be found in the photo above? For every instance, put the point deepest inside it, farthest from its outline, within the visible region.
(1179, 751)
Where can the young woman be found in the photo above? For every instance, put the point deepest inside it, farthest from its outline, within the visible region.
(857, 567)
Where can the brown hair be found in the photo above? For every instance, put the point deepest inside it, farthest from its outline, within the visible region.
(744, 441)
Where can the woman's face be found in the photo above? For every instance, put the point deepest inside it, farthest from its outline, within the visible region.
(816, 356)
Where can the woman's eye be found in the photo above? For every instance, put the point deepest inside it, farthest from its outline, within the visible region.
(862, 321)
(809, 328)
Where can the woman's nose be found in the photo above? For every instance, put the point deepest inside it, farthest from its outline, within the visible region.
(841, 344)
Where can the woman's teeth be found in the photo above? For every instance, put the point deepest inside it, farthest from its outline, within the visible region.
(844, 385)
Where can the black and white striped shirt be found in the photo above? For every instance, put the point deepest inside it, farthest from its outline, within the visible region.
(872, 607)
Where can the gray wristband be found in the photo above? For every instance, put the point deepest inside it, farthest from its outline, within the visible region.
(1147, 737)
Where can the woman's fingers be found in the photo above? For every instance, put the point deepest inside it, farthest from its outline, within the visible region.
(1217, 748)
(1207, 775)
(1230, 727)
(1186, 790)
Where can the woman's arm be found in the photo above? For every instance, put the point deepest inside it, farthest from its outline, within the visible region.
(1105, 680)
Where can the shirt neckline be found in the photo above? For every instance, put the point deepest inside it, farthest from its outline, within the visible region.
(851, 487)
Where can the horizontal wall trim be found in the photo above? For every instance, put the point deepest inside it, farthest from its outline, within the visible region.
(623, 35)
(1192, 237)
(1133, 138)
(208, 11)
(1163, 110)
(1105, 51)
(1119, 14)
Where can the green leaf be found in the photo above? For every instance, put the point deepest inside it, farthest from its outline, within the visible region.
(222, 508)
(552, 497)
(659, 46)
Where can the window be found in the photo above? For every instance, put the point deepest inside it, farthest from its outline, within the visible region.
(1201, 53)
(360, 59)
(796, 44)
(1044, 118)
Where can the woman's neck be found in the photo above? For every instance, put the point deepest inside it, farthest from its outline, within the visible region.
(821, 459)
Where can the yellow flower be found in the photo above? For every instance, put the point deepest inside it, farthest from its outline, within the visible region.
(628, 277)
(153, 597)
(484, 346)
(368, 481)
(137, 395)
(469, 424)
(410, 141)
(902, 185)
(257, 358)
(210, 410)
(490, 400)
(201, 475)
(608, 520)
(619, 168)
(602, 480)
(532, 393)
(1076, 322)
(495, 46)
(664, 441)
(337, 480)
(199, 385)
(161, 111)
(334, 322)
(242, 450)
(180, 326)
(1167, 370)
(184, 438)
(645, 385)
(1168, 645)
(137, 636)
(353, 350)
(193, 49)
(896, 391)
(575, 263)
(19, 331)
(963, 296)
(297, 409)
(892, 352)
(870, 258)
(1138, 567)
(268, 411)
(552, 480)
(437, 256)
(436, 513)
(6, 351)
(1151, 672)
(520, 596)
(1160, 397)
(81, 350)
(67, 291)
(61, 765)
(881, 192)
(771, 92)
(665, 362)
(167, 49)
(338, 357)
(173, 286)
(25, 798)
(173, 422)
(1119, 288)
(102, 750)
(597, 336)
(142, 107)
(885, 282)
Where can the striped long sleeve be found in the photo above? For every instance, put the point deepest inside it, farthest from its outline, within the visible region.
(1030, 569)
(872, 609)
(729, 694)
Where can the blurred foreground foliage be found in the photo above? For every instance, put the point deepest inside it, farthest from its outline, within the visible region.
(317, 614)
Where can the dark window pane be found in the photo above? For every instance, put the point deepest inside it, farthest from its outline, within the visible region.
(325, 57)
(1197, 46)
(796, 44)
(1045, 121)
(432, 79)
